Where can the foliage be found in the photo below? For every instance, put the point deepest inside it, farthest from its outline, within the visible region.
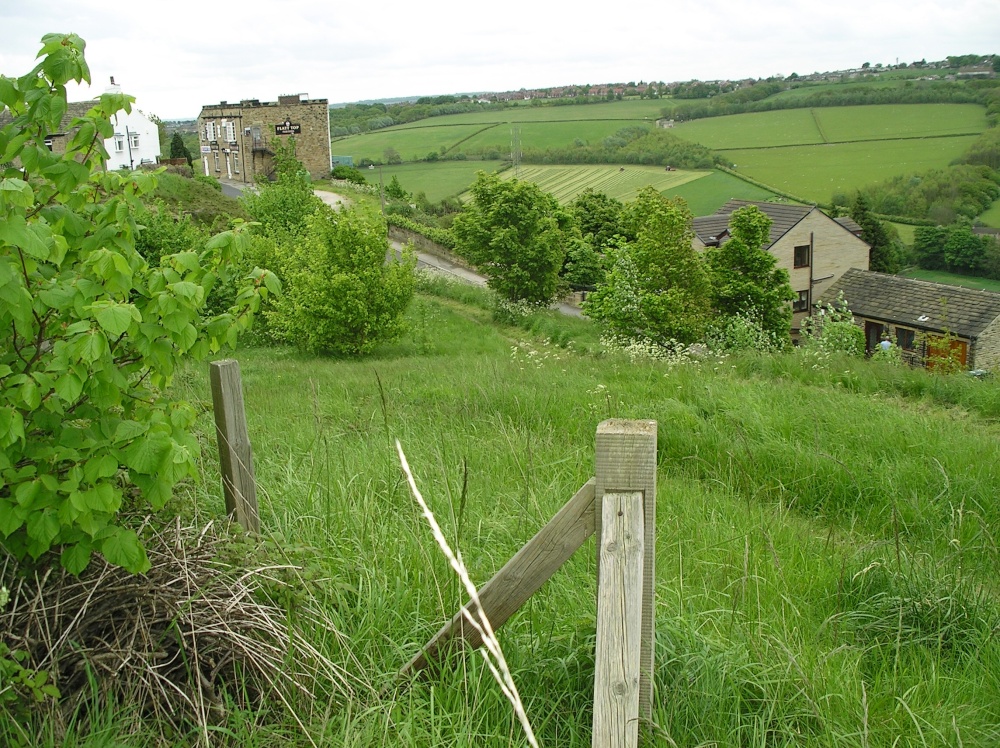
(657, 288)
(516, 234)
(831, 329)
(341, 294)
(746, 281)
(440, 236)
(631, 145)
(212, 182)
(941, 195)
(743, 332)
(91, 333)
(160, 233)
(178, 149)
(886, 254)
(598, 216)
(348, 173)
(395, 190)
(584, 268)
(282, 207)
(957, 249)
(986, 150)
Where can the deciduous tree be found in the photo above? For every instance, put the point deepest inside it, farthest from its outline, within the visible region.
(657, 289)
(746, 281)
(516, 234)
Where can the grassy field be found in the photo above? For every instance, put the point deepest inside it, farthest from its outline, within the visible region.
(826, 538)
(621, 183)
(815, 172)
(411, 144)
(992, 216)
(436, 180)
(953, 279)
(833, 125)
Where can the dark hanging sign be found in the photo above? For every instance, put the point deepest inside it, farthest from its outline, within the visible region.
(287, 128)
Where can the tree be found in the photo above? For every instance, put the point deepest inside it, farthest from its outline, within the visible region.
(395, 190)
(745, 278)
(341, 294)
(598, 216)
(178, 149)
(516, 234)
(281, 207)
(657, 289)
(90, 333)
(886, 254)
(392, 156)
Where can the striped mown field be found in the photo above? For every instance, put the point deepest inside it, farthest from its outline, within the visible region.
(621, 183)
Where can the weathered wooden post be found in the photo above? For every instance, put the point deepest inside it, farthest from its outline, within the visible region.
(626, 464)
(235, 453)
(619, 622)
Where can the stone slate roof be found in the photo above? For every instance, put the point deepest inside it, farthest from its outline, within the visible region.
(783, 217)
(915, 303)
(850, 224)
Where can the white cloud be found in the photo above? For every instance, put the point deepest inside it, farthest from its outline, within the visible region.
(175, 58)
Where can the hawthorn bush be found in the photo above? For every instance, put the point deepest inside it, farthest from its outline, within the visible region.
(90, 333)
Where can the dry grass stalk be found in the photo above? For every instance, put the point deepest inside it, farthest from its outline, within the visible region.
(178, 643)
(491, 651)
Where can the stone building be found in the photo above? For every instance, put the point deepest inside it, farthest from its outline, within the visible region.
(237, 140)
(815, 249)
(922, 317)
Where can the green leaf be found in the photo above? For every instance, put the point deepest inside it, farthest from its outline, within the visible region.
(116, 318)
(149, 455)
(92, 346)
(43, 526)
(16, 232)
(100, 467)
(11, 517)
(68, 387)
(76, 557)
(17, 192)
(122, 548)
(126, 431)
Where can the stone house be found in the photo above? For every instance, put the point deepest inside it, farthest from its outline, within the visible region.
(815, 249)
(237, 140)
(916, 314)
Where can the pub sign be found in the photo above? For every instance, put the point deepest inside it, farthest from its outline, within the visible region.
(287, 128)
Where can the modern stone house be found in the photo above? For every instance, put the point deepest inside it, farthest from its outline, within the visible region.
(916, 314)
(815, 249)
(237, 140)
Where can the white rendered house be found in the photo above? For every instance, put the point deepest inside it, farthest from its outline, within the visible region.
(136, 140)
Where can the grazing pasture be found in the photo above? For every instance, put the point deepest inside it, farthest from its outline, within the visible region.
(816, 172)
(436, 180)
(621, 183)
(953, 279)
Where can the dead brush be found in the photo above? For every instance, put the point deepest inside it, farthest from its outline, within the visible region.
(180, 644)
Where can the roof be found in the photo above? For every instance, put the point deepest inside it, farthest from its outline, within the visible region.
(783, 217)
(915, 303)
(850, 224)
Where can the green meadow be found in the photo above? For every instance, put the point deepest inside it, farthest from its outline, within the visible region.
(953, 279)
(621, 183)
(816, 172)
(826, 549)
(992, 216)
(819, 125)
(436, 180)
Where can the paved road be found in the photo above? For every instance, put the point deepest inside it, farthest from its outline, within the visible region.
(424, 259)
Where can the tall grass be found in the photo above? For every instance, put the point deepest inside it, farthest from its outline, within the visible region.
(827, 548)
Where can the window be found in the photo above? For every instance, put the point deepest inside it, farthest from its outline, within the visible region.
(134, 137)
(801, 256)
(119, 143)
(210, 131)
(905, 339)
(236, 163)
(216, 155)
(230, 131)
(801, 304)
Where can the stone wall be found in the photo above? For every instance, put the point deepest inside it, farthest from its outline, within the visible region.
(986, 354)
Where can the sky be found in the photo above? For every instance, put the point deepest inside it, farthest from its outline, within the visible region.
(174, 57)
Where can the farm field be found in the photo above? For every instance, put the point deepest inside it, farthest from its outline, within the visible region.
(411, 144)
(707, 195)
(953, 279)
(992, 216)
(436, 180)
(834, 124)
(816, 172)
(638, 110)
(566, 182)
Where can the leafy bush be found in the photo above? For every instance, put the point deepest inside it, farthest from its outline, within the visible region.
(212, 182)
(348, 173)
(831, 329)
(341, 294)
(90, 333)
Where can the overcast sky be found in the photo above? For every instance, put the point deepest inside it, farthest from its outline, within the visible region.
(175, 57)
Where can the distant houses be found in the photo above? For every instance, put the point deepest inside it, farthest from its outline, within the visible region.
(237, 141)
(815, 249)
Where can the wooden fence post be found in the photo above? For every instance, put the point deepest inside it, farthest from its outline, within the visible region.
(619, 622)
(626, 463)
(235, 453)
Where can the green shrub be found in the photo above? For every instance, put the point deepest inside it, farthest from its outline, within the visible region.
(212, 182)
